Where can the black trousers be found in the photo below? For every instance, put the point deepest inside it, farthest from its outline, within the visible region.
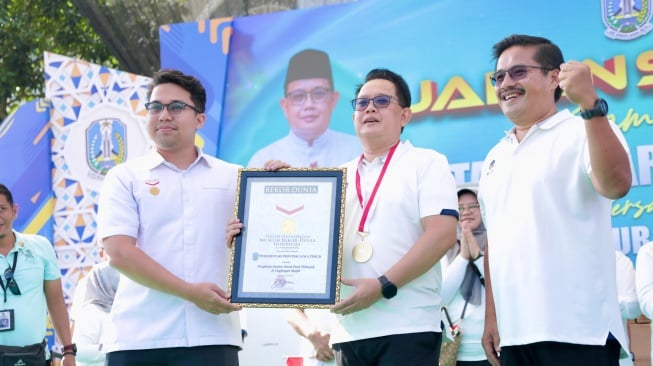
(413, 349)
(473, 363)
(178, 356)
(561, 354)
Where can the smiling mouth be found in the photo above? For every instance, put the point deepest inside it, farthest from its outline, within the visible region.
(511, 94)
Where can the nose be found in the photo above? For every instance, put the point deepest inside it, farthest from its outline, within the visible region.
(370, 106)
(165, 114)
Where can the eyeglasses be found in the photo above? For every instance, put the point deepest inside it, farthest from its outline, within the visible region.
(470, 208)
(174, 108)
(318, 95)
(11, 282)
(380, 101)
(516, 72)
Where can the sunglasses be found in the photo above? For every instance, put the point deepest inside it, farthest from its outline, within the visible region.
(299, 97)
(11, 282)
(516, 73)
(380, 101)
(174, 108)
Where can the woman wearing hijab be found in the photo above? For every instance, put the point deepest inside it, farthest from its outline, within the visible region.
(93, 314)
(463, 288)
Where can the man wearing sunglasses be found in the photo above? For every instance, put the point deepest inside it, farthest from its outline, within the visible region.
(308, 102)
(31, 283)
(400, 219)
(546, 190)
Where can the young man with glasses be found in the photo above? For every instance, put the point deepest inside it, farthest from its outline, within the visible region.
(31, 283)
(308, 102)
(546, 191)
(159, 221)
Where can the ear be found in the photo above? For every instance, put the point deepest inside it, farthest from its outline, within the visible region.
(335, 97)
(200, 120)
(285, 106)
(555, 78)
(406, 115)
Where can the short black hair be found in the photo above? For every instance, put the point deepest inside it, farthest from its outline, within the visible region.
(4, 191)
(403, 92)
(548, 54)
(187, 82)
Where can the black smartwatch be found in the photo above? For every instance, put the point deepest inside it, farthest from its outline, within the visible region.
(388, 289)
(70, 349)
(600, 109)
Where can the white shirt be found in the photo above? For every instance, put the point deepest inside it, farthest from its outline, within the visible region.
(417, 184)
(552, 261)
(644, 282)
(331, 149)
(178, 218)
(474, 321)
(90, 324)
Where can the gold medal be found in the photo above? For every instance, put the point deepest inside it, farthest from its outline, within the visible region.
(154, 191)
(288, 226)
(362, 252)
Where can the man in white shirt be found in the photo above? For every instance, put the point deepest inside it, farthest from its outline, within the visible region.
(546, 191)
(400, 219)
(160, 219)
(308, 102)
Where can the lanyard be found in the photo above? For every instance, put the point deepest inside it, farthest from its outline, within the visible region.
(13, 270)
(359, 191)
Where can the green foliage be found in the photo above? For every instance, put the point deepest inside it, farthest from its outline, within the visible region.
(28, 28)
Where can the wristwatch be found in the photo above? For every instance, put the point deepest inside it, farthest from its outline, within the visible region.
(388, 289)
(600, 109)
(70, 349)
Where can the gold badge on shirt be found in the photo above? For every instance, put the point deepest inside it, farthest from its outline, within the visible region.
(153, 183)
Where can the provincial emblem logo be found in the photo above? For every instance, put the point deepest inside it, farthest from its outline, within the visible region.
(105, 144)
(626, 19)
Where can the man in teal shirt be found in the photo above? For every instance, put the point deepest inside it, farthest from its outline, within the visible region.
(30, 283)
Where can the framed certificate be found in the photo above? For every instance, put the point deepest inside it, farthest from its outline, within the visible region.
(289, 252)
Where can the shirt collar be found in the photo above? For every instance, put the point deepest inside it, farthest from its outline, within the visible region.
(154, 159)
(317, 142)
(546, 124)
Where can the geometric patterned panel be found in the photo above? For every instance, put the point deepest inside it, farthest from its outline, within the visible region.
(88, 100)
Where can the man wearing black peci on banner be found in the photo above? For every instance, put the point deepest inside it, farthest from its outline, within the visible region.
(308, 102)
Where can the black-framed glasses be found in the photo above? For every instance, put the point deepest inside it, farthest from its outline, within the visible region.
(380, 101)
(318, 95)
(11, 281)
(174, 108)
(516, 72)
(470, 208)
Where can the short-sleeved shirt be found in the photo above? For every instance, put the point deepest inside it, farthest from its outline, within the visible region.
(551, 259)
(416, 184)
(331, 149)
(36, 262)
(178, 219)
